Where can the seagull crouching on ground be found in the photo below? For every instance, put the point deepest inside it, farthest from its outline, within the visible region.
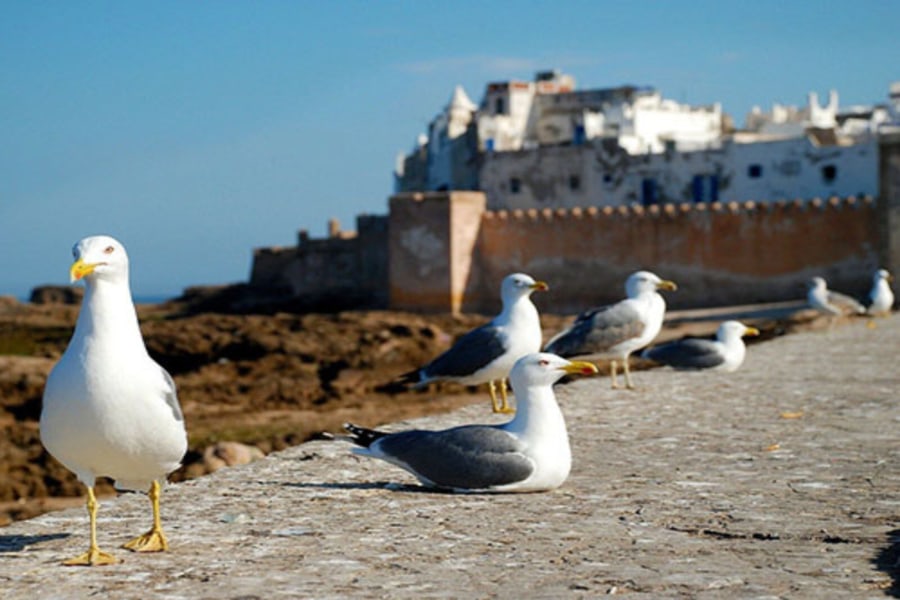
(830, 303)
(725, 353)
(530, 453)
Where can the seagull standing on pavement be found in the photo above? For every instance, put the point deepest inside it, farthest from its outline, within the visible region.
(617, 330)
(486, 354)
(109, 409)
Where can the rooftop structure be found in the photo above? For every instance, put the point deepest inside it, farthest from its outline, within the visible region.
(543, 143)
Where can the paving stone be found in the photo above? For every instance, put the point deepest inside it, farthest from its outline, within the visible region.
(778, 481)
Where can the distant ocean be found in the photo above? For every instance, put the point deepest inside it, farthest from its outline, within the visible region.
(153, 299)
(140, 299)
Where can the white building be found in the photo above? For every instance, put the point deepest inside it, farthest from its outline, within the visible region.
(545, 144)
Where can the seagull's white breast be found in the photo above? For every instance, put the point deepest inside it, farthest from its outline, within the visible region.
(540, 426)
(105, 414)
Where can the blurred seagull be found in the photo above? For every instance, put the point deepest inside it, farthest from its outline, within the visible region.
(487, 353)
(725, 353)
(109, 409)
(830, 303)
(617, 330)
(530, 453)
(881, 298)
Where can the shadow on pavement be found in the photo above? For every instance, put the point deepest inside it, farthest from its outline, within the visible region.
(17, 543)
(888, 561)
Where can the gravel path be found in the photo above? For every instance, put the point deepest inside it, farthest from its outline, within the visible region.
(778, 481)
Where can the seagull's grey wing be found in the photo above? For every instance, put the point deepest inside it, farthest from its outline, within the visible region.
(598, 330)
(690, 353)
(171, 396)
(869, 300)
(474, 457)
(472, 352)
(845, 302)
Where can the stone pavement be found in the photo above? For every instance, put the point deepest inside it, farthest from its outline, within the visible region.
(778, 481)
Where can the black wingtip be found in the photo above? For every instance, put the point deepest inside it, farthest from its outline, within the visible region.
(400, 384)
(411, 378)
(362, 436)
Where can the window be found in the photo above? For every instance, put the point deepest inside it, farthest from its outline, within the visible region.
(648, 192)
(705, 188)
(574, 182)
(754, 171)
(579, 135)
(515, 185)
(499, 106)
(829, 173)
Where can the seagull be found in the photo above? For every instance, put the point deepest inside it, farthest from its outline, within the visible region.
(487, 353)
(725, 353)
(530, 453)
(881, 298)
(617, 330)
(109, 409)
(830, 303)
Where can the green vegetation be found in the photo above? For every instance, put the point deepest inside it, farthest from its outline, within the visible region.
(31, 341)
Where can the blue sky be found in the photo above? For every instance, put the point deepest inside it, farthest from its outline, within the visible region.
(197, 131)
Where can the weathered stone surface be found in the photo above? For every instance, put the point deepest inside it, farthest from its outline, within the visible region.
(778, 481)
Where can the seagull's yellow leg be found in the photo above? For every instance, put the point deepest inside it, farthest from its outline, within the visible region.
(94, 556)
(154, 540)
(495, 405)
(505, 408)
(612, 374)
(627, 372)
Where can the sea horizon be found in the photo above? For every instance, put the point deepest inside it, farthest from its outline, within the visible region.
(138, 298)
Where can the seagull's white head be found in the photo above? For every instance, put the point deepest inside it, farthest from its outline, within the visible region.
(817, 284)
(645, 281)
(545, 369)
(519, 284)
(882, 274)
(734, 330)
(99, 257)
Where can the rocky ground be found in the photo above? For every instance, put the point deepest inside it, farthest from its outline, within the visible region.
(248, 384)
(778, 481)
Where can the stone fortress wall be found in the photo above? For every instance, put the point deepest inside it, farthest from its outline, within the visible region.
(719, 254)
(445, 252)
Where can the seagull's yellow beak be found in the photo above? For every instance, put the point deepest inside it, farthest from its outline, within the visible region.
(751, 331)
(665, 284)
(80, 269)
(540, 286)
(577, 367)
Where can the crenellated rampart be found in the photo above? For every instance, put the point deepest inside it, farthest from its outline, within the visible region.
(721, 253)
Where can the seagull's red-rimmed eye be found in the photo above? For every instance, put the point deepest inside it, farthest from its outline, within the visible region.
(543, 362)
(109, 250)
